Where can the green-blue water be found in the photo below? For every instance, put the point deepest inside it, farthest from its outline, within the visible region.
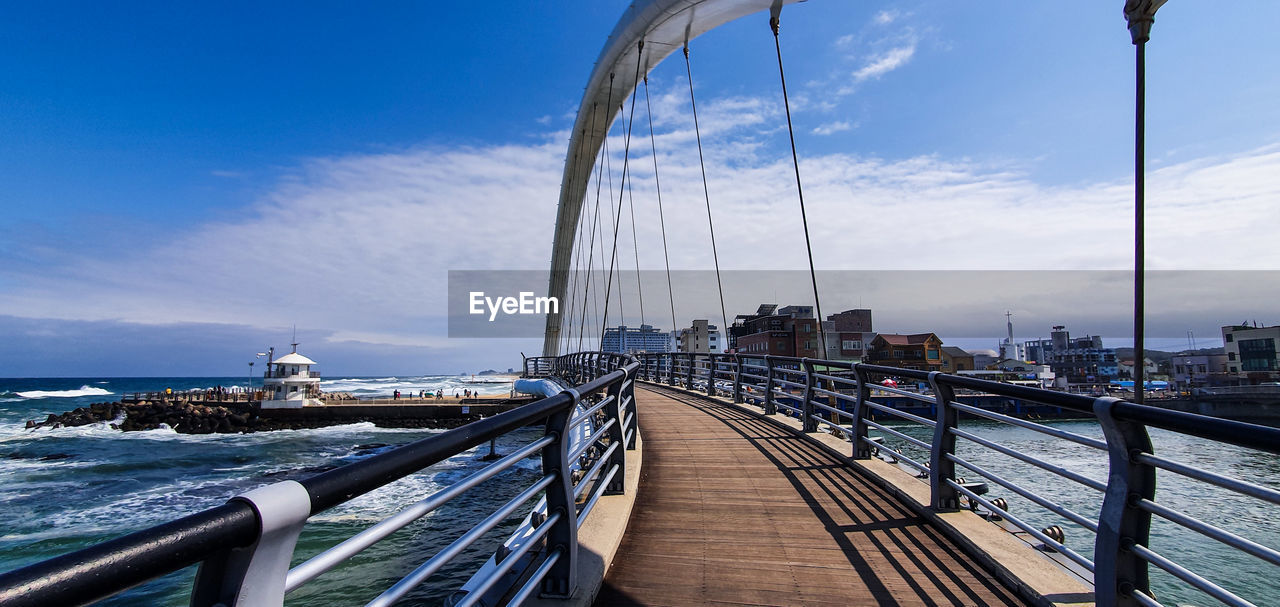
(68, 488)
(71, 487)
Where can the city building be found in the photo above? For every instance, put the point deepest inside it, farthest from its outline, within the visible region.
(740, 324)
(1251, 353)
(956, 359)
(787, 331)
(1191, 371)
(702, 337)
(921, 351)
(984, 359)
(849, 334)
(1124, 369)
(1079, 364)
(645, 338)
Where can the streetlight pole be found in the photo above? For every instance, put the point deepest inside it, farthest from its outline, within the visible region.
(1140, 14)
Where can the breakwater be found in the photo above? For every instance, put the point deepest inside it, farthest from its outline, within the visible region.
(236, 417)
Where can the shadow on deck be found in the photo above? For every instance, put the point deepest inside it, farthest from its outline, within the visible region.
(735, 510)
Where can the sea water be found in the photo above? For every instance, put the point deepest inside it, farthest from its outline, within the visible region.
(68, 488)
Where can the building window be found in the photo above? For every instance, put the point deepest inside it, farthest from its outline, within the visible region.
(897, 353)
(1258, 354)
(1230, 338)
(1231, 355)
(931, 354)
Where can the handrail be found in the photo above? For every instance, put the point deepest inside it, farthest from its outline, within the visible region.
(848, 405)
(244, 547)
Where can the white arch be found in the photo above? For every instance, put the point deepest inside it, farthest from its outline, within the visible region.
(665, 26)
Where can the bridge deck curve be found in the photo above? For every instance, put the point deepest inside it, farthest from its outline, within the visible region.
(735, 510)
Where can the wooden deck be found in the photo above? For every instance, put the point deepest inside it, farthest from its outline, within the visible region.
(734, 510)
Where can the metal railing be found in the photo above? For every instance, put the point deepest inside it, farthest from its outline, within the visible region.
(245, 546)
(842, 398)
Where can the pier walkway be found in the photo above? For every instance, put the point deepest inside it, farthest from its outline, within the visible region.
(735, 510)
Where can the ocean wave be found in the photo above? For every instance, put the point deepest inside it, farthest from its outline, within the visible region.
(83, 391)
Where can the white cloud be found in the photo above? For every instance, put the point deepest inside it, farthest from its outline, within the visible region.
(832, 127)
(360, 245)
(885, 17)
(883, 63)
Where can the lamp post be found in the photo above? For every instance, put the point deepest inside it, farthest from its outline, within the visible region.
(250, 376)
(1140, 14)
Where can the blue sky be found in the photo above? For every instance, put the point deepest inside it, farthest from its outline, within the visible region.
(157, 161)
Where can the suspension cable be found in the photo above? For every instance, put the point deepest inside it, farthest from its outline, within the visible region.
(795, 161)
(590, 257)
(658, 187)
(705, 193)
(626, 153)
(635, 245)
(574, 265)
(606, 172)
(615, 218)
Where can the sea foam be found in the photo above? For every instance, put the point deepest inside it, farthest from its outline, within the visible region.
(83, 391)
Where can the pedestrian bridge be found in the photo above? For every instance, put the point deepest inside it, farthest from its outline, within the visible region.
(674, 479)
(735, 509)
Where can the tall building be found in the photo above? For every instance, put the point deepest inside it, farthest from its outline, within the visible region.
(788, 331)
(849, 334)
(701, 337)
(740, 324)
(1251, 353)
(645, 338)
(1080, 362)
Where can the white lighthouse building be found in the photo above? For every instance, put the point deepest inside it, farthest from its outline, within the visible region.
(290, 383)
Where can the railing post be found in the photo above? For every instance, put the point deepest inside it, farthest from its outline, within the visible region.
(941, 469)
(688, 377)
(711, 374)
(562, 580)
(255, 575)
(737, 378)
(806, 407)
(1121, 524)
(617, 434)
(770, 407)
(671, 369)
(629, 393)
(861, 450)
